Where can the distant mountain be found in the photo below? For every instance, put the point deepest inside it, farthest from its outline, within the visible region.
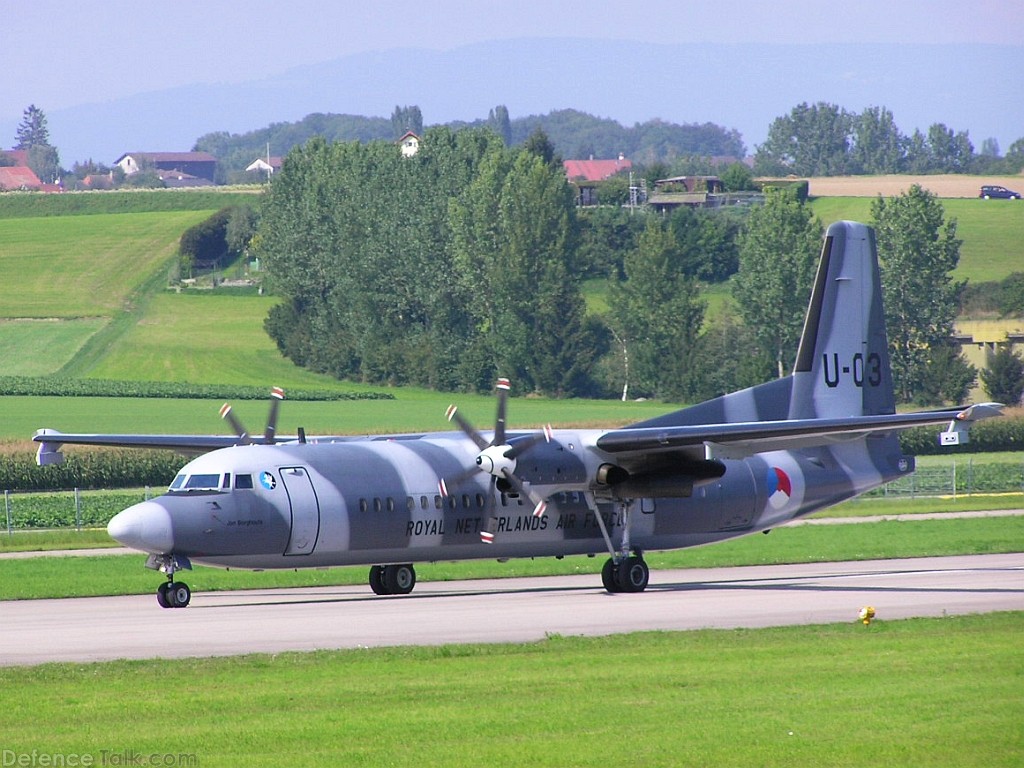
(741, 86)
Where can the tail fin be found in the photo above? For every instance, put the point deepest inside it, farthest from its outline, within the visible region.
(842, 366)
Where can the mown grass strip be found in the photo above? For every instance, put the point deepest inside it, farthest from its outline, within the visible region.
(922, 692)
(43, 577)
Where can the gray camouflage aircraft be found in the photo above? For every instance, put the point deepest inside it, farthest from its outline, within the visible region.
(745, 462)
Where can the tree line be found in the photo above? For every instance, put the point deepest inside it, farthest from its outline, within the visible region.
(470, 260)
(825, 139)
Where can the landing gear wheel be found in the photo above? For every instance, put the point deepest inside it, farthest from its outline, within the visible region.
(399, 579)
(608, 574)
(633, 574)
(161, 595)
(377, 580)
(178, 594)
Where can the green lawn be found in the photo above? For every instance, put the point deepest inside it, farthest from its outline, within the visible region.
(924, 692)
(41, 347)
(992, 234)
(83, 266)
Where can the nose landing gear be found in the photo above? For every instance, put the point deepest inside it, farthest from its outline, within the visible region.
(171, 594)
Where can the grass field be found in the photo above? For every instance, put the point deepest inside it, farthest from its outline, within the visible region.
(992, 234)
(83, 266)
(923, 692)
(42, 347)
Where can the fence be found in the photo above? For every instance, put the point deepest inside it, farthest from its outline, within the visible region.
(958, 477)
(67, 509)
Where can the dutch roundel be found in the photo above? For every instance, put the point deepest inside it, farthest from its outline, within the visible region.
(780, 487)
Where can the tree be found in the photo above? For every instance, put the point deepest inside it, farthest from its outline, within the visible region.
(656, 315)
(405, 119)
(32, 130)
(44, 162)
(778, 250)
(540, 145)
(918, 250)
(809, 141)
(878, 145)
(1004, 377)
(515, 244)
(499, 122)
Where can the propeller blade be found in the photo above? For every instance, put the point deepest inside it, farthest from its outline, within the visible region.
(240, 430)
(453, 415)
(524, 489)
(487, 534)
(447, 485)
(276, 396)
(503, 388)
(522, 446)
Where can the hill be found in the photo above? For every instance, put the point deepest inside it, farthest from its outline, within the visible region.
(74, 278)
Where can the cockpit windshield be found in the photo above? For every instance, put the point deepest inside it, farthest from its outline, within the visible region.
(205, 482)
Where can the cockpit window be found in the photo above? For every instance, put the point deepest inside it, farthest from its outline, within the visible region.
(202, 481)
(179, 481)
(243, 481)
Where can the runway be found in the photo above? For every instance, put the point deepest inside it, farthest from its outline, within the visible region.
(503, 610)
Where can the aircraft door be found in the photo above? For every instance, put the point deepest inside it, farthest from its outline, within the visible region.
(305, 509)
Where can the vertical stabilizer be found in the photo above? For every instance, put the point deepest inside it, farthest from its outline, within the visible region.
(842, 366)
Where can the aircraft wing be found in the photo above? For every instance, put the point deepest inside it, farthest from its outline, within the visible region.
(742, 439)
(51, 440)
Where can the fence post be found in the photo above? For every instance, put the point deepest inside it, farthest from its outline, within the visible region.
(954, 479)
(78, 511)
(7, 505)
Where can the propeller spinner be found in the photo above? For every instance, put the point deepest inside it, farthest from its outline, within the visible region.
(498, 459)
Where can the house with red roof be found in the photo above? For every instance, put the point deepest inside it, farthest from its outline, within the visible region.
(587, 174)
(595, 170)
(16, 177)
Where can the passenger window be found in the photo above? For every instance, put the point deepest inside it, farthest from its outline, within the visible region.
(410, 503)
(363, 506)
(377, 505)
(391, 504)
(423, 502)
(438, 502)
(243, 482)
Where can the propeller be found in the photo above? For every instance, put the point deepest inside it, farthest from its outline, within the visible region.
(498, 459)
(244, 438)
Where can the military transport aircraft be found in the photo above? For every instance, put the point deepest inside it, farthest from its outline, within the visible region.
(744, 462)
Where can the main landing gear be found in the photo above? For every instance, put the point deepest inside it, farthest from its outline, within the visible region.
(392, 579)
(629, 574)
(622, 572)
(171, 594)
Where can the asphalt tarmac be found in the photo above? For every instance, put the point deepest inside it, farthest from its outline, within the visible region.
(504, 610)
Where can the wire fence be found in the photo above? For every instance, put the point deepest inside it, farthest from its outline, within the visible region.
(75, 509)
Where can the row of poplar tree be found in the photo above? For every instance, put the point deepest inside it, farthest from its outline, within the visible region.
(467, 261)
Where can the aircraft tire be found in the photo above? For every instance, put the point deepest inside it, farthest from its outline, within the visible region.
(399, 579)
(633, 574)
(609, 575)
(178, 594)
(377, 580)
(161, 595)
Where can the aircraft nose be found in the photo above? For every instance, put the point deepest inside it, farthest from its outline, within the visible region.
(145, 526)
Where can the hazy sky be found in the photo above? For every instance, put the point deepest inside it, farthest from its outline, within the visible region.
(61, 53)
